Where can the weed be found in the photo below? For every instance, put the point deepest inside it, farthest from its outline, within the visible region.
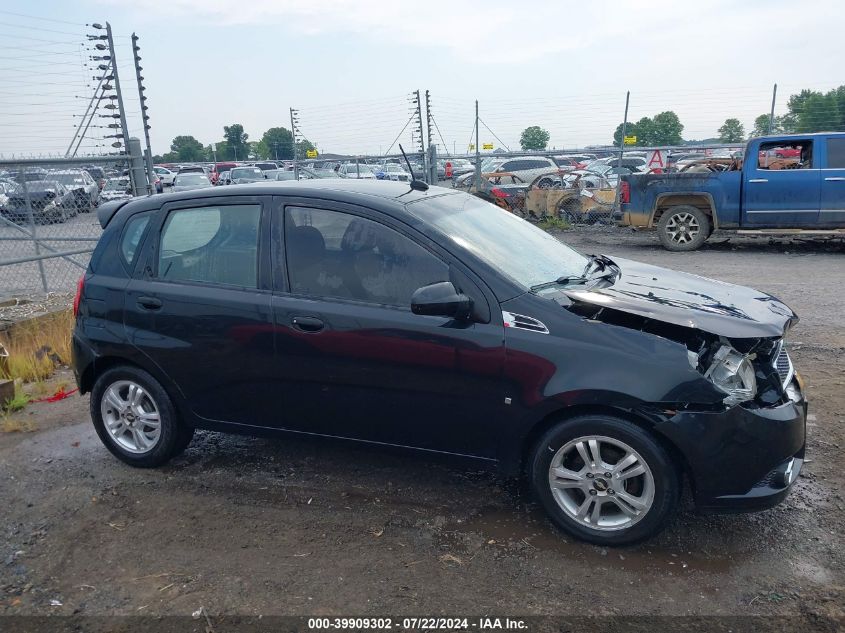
(17, 403)
(11, 425)
(552, 222)
(36, 348)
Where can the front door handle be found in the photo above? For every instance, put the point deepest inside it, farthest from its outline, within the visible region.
(759, 180)
(307, 323)
(149, 303)
(835, 179)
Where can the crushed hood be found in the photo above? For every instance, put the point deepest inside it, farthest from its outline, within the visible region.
(691, 301)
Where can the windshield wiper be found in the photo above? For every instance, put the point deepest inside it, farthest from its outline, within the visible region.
(607, 270)
(567, 280)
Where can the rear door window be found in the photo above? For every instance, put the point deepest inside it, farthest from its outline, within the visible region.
(836, 153)
(213, 244)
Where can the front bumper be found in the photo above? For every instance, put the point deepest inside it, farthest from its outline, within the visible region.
(766, 493)
(742, 459)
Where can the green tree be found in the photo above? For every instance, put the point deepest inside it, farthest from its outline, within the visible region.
(302, 147)
(761, 126)
(819, 113)
(732, 131)
(666, 129)
(276, 144)
(236, 141)
(534, 137)
(186, 149)
(222, 151)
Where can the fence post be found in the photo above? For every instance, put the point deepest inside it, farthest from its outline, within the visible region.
(31, 218)
(432, 163)
(617, 204)
(136, 160)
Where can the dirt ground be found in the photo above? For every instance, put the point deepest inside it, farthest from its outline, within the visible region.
(243, 526)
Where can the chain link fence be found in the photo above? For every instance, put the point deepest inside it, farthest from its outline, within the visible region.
(48, 220)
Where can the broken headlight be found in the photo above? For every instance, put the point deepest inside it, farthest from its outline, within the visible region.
(733, 373)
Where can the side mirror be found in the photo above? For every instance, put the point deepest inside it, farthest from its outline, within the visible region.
(441, 299)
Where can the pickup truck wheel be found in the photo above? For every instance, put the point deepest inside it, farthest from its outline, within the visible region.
(683, 228)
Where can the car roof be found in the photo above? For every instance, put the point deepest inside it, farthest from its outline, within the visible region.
(386, 195)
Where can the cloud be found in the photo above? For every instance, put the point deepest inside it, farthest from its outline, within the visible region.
(491, 32)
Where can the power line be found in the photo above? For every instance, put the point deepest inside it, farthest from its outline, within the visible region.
(494, 134)
(36, 17)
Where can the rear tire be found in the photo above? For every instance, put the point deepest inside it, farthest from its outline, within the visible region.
(634, 503)
(683, 228)
(135, 418)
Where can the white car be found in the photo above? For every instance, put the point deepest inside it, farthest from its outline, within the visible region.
(530, 167)
(351, 170)
(165, 175)
(191, 180)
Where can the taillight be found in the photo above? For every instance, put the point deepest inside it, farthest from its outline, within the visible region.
(498, 193)
(625, 195)
(78, 296)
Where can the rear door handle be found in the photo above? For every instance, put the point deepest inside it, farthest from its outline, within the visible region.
(759, 180)
(835, 179)
(149, 303)
(307, 323)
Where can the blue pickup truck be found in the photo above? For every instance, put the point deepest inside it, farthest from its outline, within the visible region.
(782, 185)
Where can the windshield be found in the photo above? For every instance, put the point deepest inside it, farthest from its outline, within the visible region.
(351, 169)
(597, 167)
(77, 180)
(191, 179)
(518, 249)
(43, 185)
(116, 185)
(247, 172)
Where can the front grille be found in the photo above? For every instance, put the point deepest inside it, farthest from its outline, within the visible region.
(783, 364)
(768, 480)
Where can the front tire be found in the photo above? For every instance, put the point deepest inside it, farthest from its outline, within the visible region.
(136, 419)
(683, 228)
(604, 480)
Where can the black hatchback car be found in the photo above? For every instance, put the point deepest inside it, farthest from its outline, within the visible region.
(432, 320)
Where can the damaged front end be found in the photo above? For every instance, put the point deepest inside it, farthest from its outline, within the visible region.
(743, 438)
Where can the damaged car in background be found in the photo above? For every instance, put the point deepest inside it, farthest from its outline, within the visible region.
(428, 319)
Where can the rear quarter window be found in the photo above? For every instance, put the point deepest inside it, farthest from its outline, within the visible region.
(131, 238)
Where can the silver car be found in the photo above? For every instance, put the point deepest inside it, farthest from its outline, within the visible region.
(189, 181)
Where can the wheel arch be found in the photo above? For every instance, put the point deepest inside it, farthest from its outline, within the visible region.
(529, 441)
(102, 364)
(702, 200)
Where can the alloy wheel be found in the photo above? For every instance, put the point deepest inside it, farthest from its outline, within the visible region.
(601, 483)
(131, 416)
(683, 228)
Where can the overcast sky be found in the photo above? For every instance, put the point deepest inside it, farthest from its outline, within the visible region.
(348, 66)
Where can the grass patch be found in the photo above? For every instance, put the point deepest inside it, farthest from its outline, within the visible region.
(552, 222)
(11, 425)
(17, 403)
(37, 347)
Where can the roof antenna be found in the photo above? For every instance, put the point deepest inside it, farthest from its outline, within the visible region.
(419, 185)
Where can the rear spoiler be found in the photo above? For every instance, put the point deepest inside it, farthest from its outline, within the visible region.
(106, 211)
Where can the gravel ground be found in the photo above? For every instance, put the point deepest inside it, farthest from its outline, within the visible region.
(245, 526)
